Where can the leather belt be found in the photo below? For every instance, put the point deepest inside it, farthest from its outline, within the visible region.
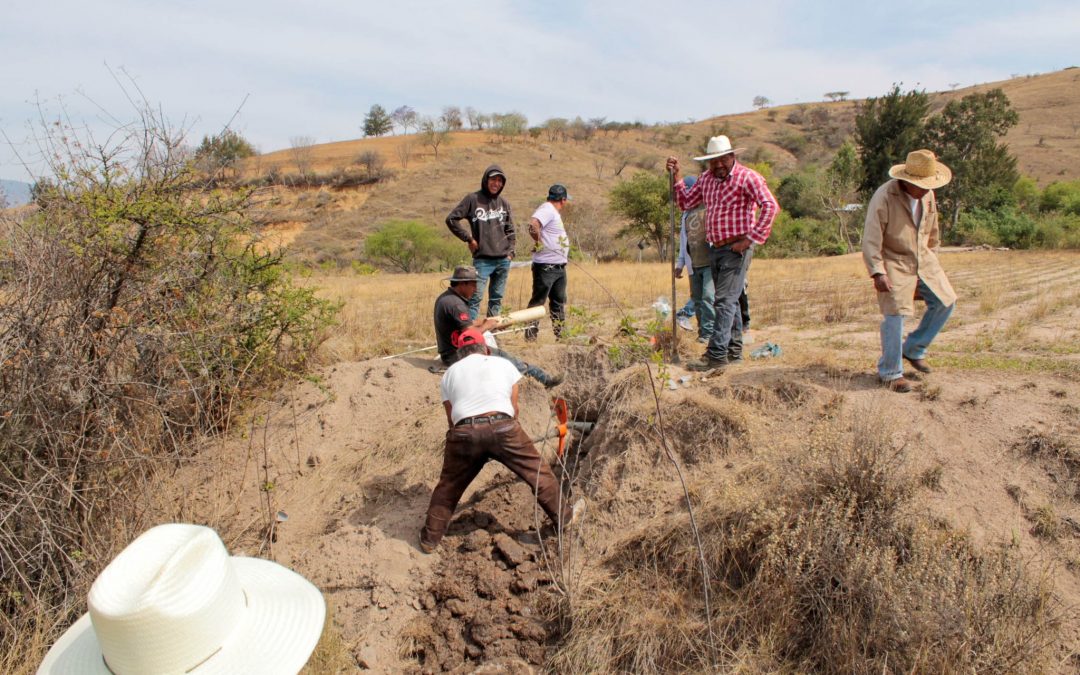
(726, 242)
(483, 419)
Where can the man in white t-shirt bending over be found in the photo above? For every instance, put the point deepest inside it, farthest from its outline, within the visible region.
(480, 395)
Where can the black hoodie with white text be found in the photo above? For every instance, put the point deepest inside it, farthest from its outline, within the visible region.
(490, 222)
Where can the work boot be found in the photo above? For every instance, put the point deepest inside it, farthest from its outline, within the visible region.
(919, 364)
(424, 546)
(684, 322)
(900, 385)
(707, 364)
(553, 381)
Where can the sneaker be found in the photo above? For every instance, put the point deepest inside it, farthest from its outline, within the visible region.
(684, 322)
(900, 385)
(703, 340)
(734, 358)
(706, 364)
(553, 381)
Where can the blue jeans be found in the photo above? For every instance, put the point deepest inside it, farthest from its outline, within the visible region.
(702, 297)
(498, 270)
(894, 348)
(729, 279)
(534, 372)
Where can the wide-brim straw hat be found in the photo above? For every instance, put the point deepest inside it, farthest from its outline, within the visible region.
(922, 169)
(717, 147)
(175, 601)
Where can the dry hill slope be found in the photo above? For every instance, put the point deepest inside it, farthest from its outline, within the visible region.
(351, 458)
(331, 225)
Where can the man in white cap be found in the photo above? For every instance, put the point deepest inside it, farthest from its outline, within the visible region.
(739, 213)
(900, 241)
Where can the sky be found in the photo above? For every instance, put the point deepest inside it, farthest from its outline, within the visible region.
(279, 70)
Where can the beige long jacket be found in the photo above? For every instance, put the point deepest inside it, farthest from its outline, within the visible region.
(892, 245)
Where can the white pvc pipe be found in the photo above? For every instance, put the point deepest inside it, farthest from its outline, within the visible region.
(523, 315)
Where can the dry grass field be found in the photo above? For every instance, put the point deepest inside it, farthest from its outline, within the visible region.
(1018, 310)
(326, 224)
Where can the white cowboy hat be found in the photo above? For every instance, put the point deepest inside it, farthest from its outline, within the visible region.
(174, 601)
(922, 169)
(718, 146)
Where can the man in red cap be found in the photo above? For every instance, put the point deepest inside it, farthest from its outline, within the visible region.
(480, 395)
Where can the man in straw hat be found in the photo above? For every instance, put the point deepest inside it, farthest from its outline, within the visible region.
(175, 601)
(452, 317)
(900, 241)
(739, 213)
(480, 396)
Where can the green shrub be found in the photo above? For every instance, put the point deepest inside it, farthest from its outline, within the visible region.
(802, 237)
(1061, 196)
(413, 246)
(144, 316)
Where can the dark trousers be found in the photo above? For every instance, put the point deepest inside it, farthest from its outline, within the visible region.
(744, 308)
(729, 278)
(468, 448)
(549, 284)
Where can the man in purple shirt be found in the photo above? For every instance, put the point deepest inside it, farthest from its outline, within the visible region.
(549, 258)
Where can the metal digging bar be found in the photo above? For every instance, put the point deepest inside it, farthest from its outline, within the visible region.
(674, 355)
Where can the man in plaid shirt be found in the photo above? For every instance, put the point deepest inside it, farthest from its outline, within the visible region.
(731, 193)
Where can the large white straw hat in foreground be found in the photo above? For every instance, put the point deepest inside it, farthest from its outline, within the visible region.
(175, 601)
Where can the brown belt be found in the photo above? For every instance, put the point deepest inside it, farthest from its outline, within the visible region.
(483, 419)
(725, 242)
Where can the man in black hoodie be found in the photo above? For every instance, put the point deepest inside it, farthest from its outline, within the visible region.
(490, 236)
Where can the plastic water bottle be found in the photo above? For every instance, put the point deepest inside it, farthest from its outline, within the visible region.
(662, 307)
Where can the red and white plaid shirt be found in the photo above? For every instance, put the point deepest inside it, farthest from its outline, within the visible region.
(730, 204)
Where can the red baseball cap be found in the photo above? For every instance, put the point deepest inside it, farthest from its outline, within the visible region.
(469, 336)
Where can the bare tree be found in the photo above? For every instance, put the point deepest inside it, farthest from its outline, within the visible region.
(372, 163)
(302, 153)
(404, 153)
(451, 117)
(405, 117)
(434, 133)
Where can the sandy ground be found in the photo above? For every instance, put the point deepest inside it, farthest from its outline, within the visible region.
(350, 458)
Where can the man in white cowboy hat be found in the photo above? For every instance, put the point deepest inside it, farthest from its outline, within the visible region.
(175, 601)
(900, 241)
(739, 213)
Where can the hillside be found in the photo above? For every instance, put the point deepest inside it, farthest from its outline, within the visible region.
(985, 443)
(326, 224)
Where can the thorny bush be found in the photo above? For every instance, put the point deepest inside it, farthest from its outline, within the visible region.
(136, 311)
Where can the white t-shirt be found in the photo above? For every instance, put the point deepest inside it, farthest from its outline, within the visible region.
(477, 384)
(554, 244)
